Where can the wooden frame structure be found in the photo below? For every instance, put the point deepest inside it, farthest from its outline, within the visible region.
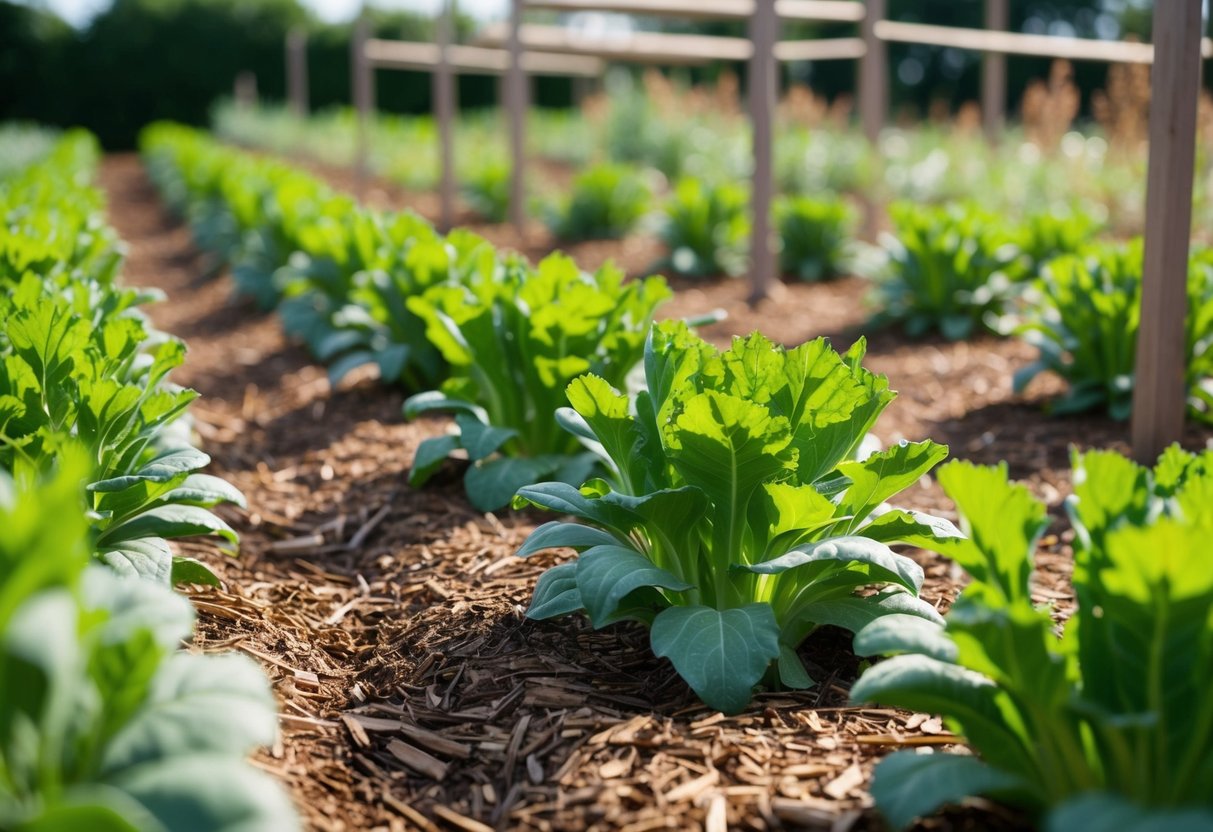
(444, 60)
(1160, 400)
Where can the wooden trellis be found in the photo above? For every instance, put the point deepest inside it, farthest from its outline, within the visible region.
(1159, 402)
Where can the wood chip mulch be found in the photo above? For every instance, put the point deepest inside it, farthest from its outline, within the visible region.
(415, 695)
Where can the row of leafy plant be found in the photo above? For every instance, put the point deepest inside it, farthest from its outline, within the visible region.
(104, 722)
(961, 270)
(732, 502)
(469, 330)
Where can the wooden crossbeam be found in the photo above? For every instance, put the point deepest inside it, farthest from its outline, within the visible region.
(839, 10)
(1018, 43)
(399, 54)
(825, 49)
(661, 48)
(637, 47)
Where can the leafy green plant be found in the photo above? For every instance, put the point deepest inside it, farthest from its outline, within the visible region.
(514, 338)
(1051, 234)
(1084, 319)
(347, 290)
(1109, 722)
(80, 363)
(707, 228)
(738, 517)
(606, 203)
(104, 723)
(953, 268)
(815, 236)
(487, 190)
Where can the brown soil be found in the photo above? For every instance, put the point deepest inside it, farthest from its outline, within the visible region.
(414, 693)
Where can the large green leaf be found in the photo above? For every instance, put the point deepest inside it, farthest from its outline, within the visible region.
(608, 573)
(557, 535)
(168, 521)
(556, 593)
(900, 633)
(229, 689)
(491, 484)
(884, 474)
(1003, 523)
(908, 786)
(721, 654)
(888, 565)
(921, 683)
(1102, 812)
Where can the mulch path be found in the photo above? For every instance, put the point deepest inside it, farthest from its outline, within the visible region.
(414, 693)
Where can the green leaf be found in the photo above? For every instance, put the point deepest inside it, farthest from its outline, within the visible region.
(204, 491)
(791, 670)
(149, 558)
(491, 484)
(557, 535)
(1102, 812)
(556, 593)
(429, 458)
(913, 528)
(921, 683)
(481, 440)
(900, 633)
(230, 689)
(162, 468)
(908, 786)
(889, 565)
(169, 522)
(435, 400)
(608, 573)
(722, 654)
(190, 571)
(1003, 523)
(884, 474)
(854, 612)
(563, 498)
(207, 792)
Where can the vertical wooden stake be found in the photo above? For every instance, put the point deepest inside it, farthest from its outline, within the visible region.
(444, 104)
(764, 31)
(1160, 396)
(517, 105)
(360, 71)
(296, 71)
(246, 90)
(873, 73)
(994, 72)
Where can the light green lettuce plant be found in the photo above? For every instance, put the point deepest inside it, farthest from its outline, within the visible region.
(1101, 723)
(737, 517)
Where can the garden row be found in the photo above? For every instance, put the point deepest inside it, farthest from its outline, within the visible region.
(105, 723)
(732, 501)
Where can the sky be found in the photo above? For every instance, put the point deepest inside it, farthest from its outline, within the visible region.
(80, 12)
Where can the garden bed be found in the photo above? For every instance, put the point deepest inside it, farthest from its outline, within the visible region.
(415, 694)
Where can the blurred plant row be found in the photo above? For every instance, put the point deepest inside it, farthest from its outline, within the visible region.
(1003, 240)
(104, 722)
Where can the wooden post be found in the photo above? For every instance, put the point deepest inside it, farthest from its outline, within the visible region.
(444, 105)
(360, 71)
(873, 73)
(994, 72)
(296, 71)
(517, 105)
(1160, 396)
(764, 32)
(245, 90)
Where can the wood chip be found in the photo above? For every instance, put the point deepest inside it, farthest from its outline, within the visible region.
(455, 819)
(841, 786)
(418, 760)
